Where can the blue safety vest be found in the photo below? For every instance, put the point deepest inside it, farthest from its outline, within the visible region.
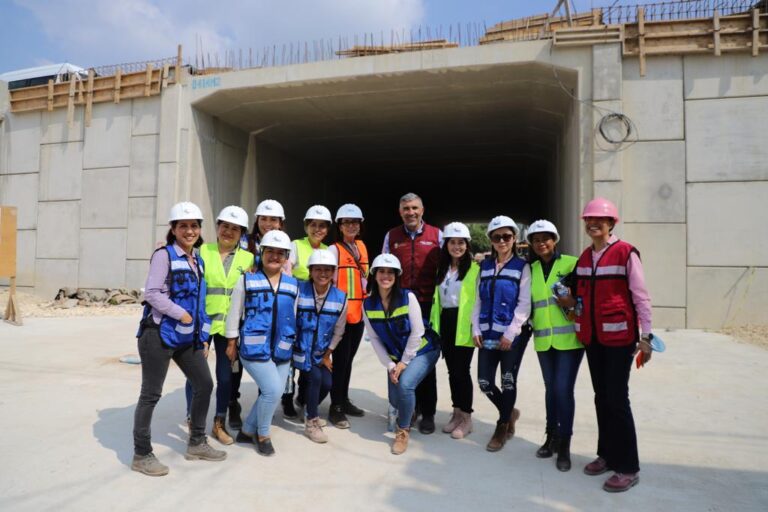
(269, 325)
(314, 330)
(394, 330)
(186, 289)
(498, 298)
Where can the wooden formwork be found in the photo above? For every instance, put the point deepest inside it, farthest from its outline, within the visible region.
(533, 27)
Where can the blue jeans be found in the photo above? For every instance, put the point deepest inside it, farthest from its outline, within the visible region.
(319, 383)
(223, 377)
(487, 361)
(270, 377)
(559, 369)
(402, 395)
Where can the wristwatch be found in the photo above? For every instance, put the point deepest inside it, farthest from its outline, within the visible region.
(645, 338)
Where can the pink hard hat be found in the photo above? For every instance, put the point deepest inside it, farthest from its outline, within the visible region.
(601, 207)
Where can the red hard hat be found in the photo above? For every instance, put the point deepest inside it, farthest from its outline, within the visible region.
(601, 207)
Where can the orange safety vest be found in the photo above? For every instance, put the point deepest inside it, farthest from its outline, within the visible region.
(350, 280)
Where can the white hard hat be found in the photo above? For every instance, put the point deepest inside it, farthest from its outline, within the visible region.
(349, 211)
(542, 226)
(276, 239)
(386, 261)
(185, 211)
(234, 215)
(318, 212)
(456, 230)
(322, 257)
(502, 221)
(270, 208)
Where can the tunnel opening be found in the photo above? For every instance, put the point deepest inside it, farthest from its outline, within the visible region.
(472, 142)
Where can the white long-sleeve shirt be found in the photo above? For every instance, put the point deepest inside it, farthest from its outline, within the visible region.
(522, 310)
(414, 339)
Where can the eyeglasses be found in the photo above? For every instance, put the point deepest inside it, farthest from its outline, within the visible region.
(506, 237)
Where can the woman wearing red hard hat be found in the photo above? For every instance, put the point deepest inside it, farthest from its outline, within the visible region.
(611, 302)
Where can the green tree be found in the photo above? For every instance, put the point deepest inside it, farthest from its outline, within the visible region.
(480, 242)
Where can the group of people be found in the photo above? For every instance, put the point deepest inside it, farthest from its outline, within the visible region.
(273, 306)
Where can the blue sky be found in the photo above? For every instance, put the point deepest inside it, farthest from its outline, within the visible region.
(99, 32)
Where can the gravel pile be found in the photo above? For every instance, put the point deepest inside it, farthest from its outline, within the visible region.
(752, 334)
(32, 306)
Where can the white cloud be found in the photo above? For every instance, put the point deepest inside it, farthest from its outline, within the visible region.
(94, 32)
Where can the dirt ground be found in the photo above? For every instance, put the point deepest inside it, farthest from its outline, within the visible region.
(32, 306)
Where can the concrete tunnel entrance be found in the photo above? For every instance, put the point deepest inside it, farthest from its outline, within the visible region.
(473, 142)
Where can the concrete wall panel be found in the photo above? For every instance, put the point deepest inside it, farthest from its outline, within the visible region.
(52, 275)
(654, 182)
(654, 102)
(726, 224)
(169, 127)
(56, 129)
(141, 227)
(717, 77)
(727, 139)
(606, 72)
(662, 250)
(58, 231)
(136, 273)
(23, 142)
(61, 171)
(146, 116)
(668, 318)
(25, 257)
(102, 258)
(608, 166)
(166, 191)
(21, 191)
(105, 198)
(143, 173)
(719, 296)
(108, 139)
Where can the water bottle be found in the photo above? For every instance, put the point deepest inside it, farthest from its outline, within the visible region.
(579, 308)
(391, 418)
(560, 289)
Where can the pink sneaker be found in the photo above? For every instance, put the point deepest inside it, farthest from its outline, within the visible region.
(596, 467)
(621, 482)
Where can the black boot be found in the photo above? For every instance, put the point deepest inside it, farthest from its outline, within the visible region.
(548, 448)
(235, 421)
(289, 411)
(564, 454)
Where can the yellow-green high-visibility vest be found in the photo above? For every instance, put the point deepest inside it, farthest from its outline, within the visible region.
(466, 304)
(303, 251)
(220, 285)
(551, 328)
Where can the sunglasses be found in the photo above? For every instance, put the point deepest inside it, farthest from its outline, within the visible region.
(506, 237)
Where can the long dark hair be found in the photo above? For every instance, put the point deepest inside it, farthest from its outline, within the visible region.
(394, 296)
(170, 238)
(445, 262)
(255, 237)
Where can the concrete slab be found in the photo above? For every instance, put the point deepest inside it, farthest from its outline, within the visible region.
(715, 77)
(52, 275)
(167, 175)
(662, 249)
(136, 273)
(146, 116)
(108, 139)
(23, 134)
(668, 318)
(606, 72)
(654, 177)
(689, 462)
(102, 258)
(726, 139)
(141, 227)
(608, 166)
(58, 235)
(105, 198)
(143, 170)
(169, 126)
(720, 296)
(654, 102)
(61, 171)
(56, 129)
(25, 258)
(20, 190)
(728, 215)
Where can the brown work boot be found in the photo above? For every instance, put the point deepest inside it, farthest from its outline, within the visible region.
(499, 437)
(512, 419)
(464, 428)
(401, 441)
(453, 422)
(314, 431)
(219, 432)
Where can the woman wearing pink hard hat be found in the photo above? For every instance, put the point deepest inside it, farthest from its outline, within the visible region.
(613, 321)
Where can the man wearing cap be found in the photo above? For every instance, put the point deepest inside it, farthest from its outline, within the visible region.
(417, 245)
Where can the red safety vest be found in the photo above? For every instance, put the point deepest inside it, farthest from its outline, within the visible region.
(419, 258)
(608, 314)
(350, 279)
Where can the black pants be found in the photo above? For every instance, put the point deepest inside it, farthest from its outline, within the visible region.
(609, 368)
(509, 360)
(343, 356)
(155, 359)
(426, 391)
(458, 360)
